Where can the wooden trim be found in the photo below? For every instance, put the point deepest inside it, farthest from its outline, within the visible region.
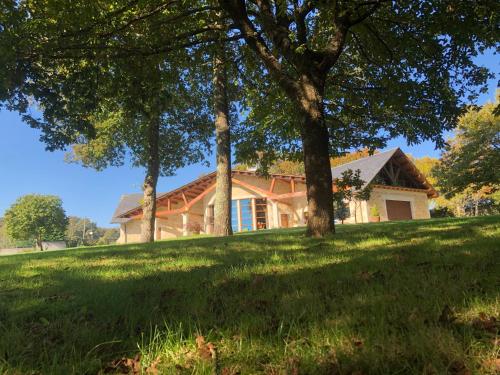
(200, 196)
(256, 189)
(187, 206)
(429, 192)
(291, 195)
(271, 188)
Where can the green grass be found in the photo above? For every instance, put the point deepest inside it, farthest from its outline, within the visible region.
(368, 300)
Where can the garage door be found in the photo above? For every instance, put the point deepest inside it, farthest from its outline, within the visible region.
(398, 210)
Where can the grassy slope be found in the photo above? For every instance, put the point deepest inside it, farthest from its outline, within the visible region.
(367, 299)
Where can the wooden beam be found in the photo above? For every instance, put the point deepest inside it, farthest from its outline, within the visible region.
(290, 195)
(256, 189)
(271, 188)
(169, 204)
(292, 185)
(186, 207)
(184, 198)
(200, 196)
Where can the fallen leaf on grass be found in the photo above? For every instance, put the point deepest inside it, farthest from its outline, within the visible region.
(357, 343)
(486, 323)
(458, 368)
(125, 366)
(153, 367)
(257, 280)
(492, 365)
(447, 315)
(366, 275)
(230, 371)
(207, 350)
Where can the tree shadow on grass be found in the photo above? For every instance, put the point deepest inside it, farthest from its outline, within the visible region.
(317, 304)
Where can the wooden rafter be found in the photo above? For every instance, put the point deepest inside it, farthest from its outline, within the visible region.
(273, 182)
(256, 189)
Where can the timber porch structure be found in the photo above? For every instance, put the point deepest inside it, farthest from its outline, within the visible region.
(279, 201)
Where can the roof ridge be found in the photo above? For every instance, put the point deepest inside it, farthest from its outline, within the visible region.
(367, 157)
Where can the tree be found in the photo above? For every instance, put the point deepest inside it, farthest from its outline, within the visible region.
(223, 189)
(359, 70)
(85, 232)
(108, 236)
(330, 76)
(81, 232)
(151, 114)
(350, 188)
(425, 165)
(36, 217)
(472, 156)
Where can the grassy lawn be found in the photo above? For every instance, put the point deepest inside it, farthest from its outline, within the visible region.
(390, 298)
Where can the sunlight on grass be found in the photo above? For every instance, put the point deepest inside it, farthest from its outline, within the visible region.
(409, 297)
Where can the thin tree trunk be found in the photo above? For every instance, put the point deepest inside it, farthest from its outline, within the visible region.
(39, 242)
(315, 143)
(222, 207)
(151, 179)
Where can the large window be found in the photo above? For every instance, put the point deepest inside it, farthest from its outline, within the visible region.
(242, 214)
(260, 213)
(246, 214)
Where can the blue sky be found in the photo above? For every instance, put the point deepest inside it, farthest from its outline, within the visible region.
(25, 167)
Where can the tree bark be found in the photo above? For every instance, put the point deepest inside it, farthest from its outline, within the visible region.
(151, 179)
(315, 144)
(222, 207)
(39, 242)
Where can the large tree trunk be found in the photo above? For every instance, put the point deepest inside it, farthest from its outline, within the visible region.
(151, 179)
(222, 209)
(315, 143)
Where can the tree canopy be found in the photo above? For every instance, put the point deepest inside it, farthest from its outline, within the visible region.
(472, 156)
(36, 217)
(320, 78)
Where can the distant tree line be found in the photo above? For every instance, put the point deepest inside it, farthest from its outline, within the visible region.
(34, 219)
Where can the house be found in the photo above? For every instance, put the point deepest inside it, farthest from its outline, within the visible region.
(399, 191)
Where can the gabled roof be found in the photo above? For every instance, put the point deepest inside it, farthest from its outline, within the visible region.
(132, 202)
(127, 203)
(370, 167)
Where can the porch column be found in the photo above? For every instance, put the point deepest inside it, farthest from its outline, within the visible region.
(185, 223)
(275, 215)
(254, 215)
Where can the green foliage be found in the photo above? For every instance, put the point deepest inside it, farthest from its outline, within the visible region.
(341, 210)
(406, 69)
(472, 156)
(84, 232)
(368, 300)
(374, 211)
(36, 217)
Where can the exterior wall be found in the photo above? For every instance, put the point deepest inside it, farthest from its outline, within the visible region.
(295, 208)
(169, 227)
(418, 201)
(130, 232)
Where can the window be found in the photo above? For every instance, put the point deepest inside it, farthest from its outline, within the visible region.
(246, 214)
(260, 213)
(211, 214)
